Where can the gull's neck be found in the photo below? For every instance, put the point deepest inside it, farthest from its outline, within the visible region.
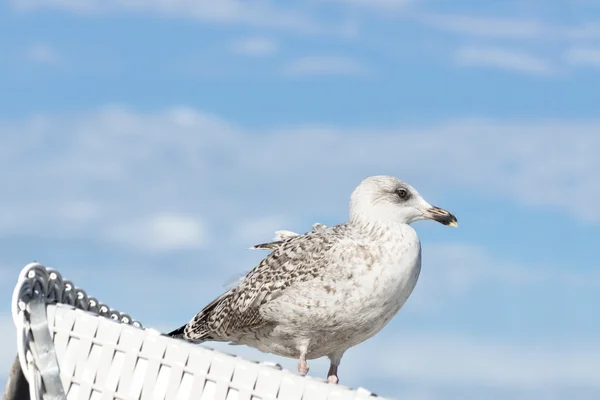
(377, 227)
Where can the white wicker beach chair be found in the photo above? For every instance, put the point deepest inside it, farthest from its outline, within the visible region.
(71, 346)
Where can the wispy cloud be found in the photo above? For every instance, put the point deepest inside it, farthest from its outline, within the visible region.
(499, 39)
(375, 4)
(493, 27)
(474, 267)
(255, 46)
(545, 37)
(586, 30)
(158, 233)
(584, 56)
(325, 65)
(44, 54)
(485, 26)
(251, 13)
(509, 60)
(97, 174)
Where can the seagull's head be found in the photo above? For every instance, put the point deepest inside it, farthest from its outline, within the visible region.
(387, 198)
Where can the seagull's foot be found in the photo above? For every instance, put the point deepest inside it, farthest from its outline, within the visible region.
(332, 374)
(303, 365)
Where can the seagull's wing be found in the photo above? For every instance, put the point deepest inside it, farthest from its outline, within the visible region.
(296, 259)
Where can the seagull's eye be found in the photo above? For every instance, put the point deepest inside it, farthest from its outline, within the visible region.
(402, 193)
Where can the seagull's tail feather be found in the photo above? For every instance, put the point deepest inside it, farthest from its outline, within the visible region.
(198, 337)
(198, 329)
(177, 333)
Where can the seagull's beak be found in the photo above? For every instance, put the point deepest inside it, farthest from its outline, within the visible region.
(440, 215)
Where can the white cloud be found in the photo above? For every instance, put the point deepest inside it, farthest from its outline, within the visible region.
(161, 232)
(454, 271)
(485, 26)
(325, 65)
(503, 59)
(497, 36)
(375, 4)
(44, 54)
(78, 175)
(255, 46)
(586, 30)
(353, 18)
(582, 56)
(508, 28)
(254, 13)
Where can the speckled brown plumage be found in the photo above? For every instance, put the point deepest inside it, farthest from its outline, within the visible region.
(292, 260)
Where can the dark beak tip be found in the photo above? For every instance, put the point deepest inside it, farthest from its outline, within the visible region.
(444, 217)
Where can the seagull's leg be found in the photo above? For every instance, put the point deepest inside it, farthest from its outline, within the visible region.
(332, 375)
(302, 364)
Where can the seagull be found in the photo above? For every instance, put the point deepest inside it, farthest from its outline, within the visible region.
(320, 293)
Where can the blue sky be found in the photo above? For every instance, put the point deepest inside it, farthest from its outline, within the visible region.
(146, 145)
